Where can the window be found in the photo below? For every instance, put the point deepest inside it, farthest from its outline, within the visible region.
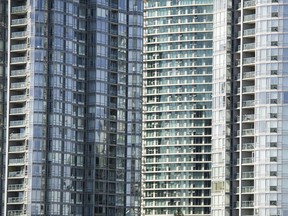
(273, 173)
(273, 188)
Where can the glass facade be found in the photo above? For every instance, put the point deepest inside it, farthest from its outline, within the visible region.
(177, 107)
(74, 87)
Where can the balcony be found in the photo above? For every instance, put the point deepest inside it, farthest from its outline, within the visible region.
(15, 187)
(246, 146)
(247, 160)
(249, 3)
(19, 9)
(19, 47)
(250, 60)
(16, 161)
(247, 75)
(21, 72)
(247, 204)
(249, 32)
(17, 123)
(248, 89)
(20, 34)
(248, 189)
(246, 117)
(18, 60)
(249, 18)
(17, 110)
(16, 22)
(16, 136)
(247, 175)
(17, 98)
(249, 46)
(18, 85)
(16, 174)
(248, 103)
(248, 132)
(16, 212)
(16, 149)
(15, 200)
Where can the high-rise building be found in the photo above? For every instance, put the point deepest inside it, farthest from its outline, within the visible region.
(250, 97)
(71, 79)
(177, 107)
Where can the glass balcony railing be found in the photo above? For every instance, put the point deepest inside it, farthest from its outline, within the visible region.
(20, 72)
(18, 98)
(247, 204)
(15, 199)
(18, 47)
(250, 17)
(247, 75)
(17, 123)
(248, 103)
(17, 136)
(18, 85)
(18, 60)
(17, 110)
(19, 9)
(247, 146)
(19, 21)
(247, 160)
(16, 161)
(16, 149)
(16, 212)
(247, 89)
(248, 32)
(248, 175)
(247, 132)
(247, 117)
(250, 60)
(249, 46)
(16, 187)
(16, 174)
(18, 34)
(247, 189)
(249, 3)
(245, 175)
